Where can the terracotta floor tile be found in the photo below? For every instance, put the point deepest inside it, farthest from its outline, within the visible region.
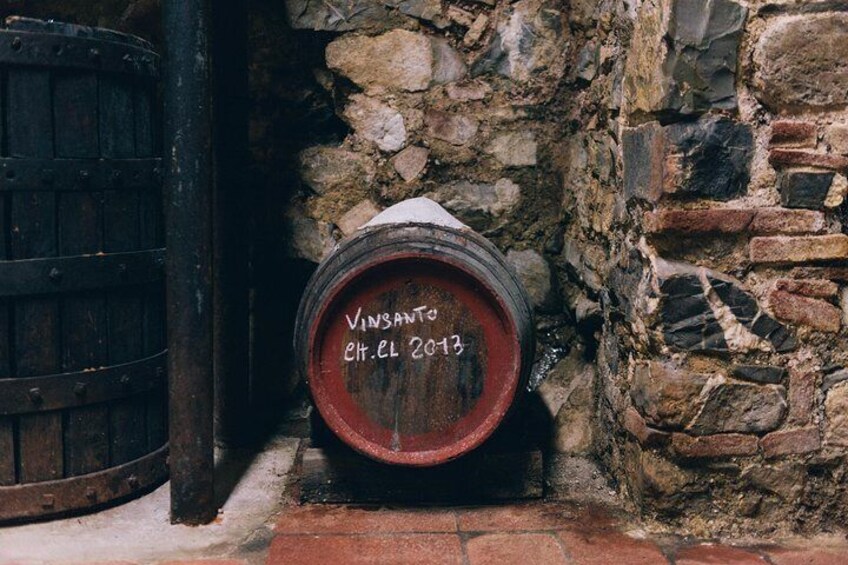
(204, 562)
(514, 549)
(610, 548)
(709, 554)
(332, 519)
(387, 549)
(515, 518)
(809, 557)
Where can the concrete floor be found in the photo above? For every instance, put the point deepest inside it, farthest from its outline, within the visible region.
(251, 482)
(258, 524)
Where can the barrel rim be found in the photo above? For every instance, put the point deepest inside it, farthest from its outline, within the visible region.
(481, 432)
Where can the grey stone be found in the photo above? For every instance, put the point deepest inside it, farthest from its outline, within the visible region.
(448, 64)
(763, 374)
(803, 63)
(832, 379)
(456, 129)
(340, 15)
(398, 59)
(836, 416)
(739, 407)
(307, 238)
(707, 158)
(530, 40)
(667, 397)
(375, 121)
(535, 274)
(472, 90)
(325, 168)
(514, 149)
(786, 480)
(587, 62)
(803, 189)
(683, 57)
(478, 204)
(430, 10)
(410, 162)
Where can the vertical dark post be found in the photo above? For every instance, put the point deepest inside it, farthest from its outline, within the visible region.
(188, 213)
(230, 126)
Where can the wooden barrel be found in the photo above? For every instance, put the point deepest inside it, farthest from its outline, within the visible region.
(82, 348)
(415, 340)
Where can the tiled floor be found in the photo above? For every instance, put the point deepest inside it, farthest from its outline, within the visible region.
(522, 534)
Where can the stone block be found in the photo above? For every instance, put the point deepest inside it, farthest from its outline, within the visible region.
(375, 121)
(803, 189)
(357, 217)
(734, 220)
(638, 428)
(456, 129)
(739, 407)
(802, 397)
(341, 15)
(791, 442)
(683, 57)
(535, 274)
(836, 137)
(325, 168)
(514, 149)
(708, 158)
(793, 133)
(814, 288)
(763, 374)
(410, 162)
(818, 44)
(799, 249)
(398, 59)
(721, 445)
(667, 397)
(480, 205)
(836, 416)
(811, 312)
(783, 158)
(781, 220)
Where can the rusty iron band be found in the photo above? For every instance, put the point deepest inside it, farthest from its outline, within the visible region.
(49, 498)
(36, 175)
(82, 272)
(52, 50)
(69, 390)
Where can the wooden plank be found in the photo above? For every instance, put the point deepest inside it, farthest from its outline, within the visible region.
(75, 115)
(41, 447)
(144, 127)
(341, 476)
(128, 429)
(7, 452)
(86, 440)
(154, 319)
(80, 223)
(5, 341)
(36, 337)
(157, 419)
(117, 124)
(29, 116)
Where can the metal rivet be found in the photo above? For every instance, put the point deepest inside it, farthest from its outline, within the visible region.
(80, 389)
(123, 271)
(35, 395)
(17, 44)
(125, 380)
(116, 176)
(83, 174)
(55, 275)
(57, 50)
(48, 501)
(132, 481)
(91, 494)
(127, 58)
(94, 54)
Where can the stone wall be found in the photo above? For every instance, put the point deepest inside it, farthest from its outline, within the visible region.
(668, 178)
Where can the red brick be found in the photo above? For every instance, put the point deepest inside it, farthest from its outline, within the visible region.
(809, 556)
(780, 158)
(717, 220)
(509, 549)
(802, 396)
(646, 436)
(832, 273)
(326, 519)
(792, 133)
(515, 518)
(791, 442)
(707, 554)
(814, 288)
(784, 220)
(719, 445)
(799, 249)
(811, 312)
(422, 549)
(604, 549)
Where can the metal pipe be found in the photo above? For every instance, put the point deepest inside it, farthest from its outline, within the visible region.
(188, 222)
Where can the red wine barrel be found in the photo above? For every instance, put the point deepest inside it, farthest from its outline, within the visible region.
(415, 341)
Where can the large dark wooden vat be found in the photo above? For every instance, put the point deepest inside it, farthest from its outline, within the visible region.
(415, 340)
(82, 348)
